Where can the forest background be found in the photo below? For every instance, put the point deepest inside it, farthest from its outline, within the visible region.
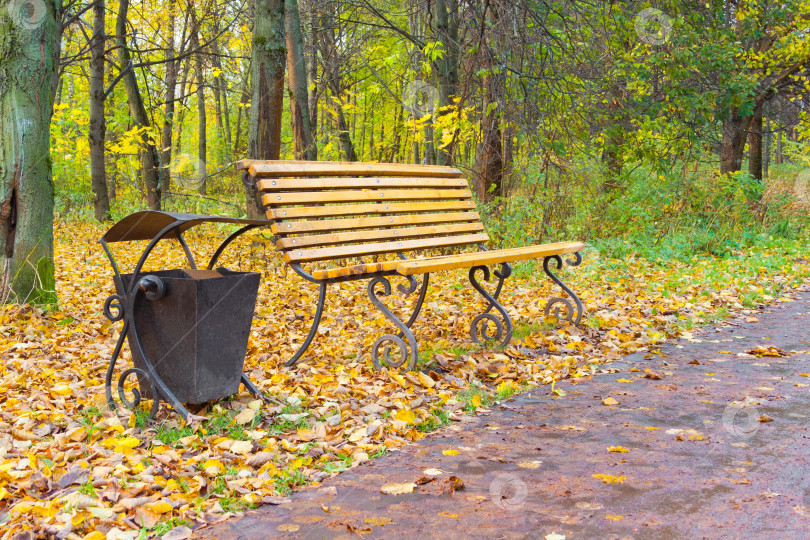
(679, 127)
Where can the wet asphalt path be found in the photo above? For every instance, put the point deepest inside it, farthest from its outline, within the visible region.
(716, 448)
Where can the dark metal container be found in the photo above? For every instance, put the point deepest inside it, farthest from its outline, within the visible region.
(196, 335)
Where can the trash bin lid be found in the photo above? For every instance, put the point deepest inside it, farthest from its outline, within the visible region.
(146, 224)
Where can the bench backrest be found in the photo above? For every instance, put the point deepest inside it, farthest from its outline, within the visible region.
(325, 210)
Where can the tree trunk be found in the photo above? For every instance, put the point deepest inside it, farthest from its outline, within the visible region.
(97, 125)
(489, 166)
(735, 127)
(755, 144)
(222, 97)
(447, 18)
(28, 57)
(202, 124)
(184, 83)
(244, 101)
(304, 146)
(312, 78)
(149, 154)
(767, 142)
(172, 67)
(268, 60)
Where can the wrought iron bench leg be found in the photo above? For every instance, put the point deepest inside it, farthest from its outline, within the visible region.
(404, 330)
(312, 331)
(573, 312)
(479, 328)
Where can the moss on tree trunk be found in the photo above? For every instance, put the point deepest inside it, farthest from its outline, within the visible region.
(28, 41)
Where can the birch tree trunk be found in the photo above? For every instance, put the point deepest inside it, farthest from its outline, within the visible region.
(28, 55)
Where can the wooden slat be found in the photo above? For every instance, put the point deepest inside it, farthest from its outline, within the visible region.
(355, 270)
(378, 234)
(293, 169)
(321, 225)
(337, 252)
(280, 184)
(466, 260)
(308, 197)
(366, 209)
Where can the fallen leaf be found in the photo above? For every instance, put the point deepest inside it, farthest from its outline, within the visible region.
(398, 489)
(610, 479)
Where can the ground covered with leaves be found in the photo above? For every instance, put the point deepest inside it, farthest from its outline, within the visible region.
(72, 468)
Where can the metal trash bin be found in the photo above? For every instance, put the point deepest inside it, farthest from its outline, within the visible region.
(187, 328)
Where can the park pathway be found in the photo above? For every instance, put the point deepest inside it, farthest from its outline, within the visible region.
(716, 437)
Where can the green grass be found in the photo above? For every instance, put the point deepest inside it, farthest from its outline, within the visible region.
(505, 391)
(170, 435)
(161, 528)
(287, 480)
(468, 397)
(438, 418)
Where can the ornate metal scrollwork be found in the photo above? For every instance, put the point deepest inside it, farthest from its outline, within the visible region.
(480, 326)
(136, 395)
(114, 302)
(404, 347)
(153, 288)
(572, 311)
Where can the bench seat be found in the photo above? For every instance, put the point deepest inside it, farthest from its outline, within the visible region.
(452, 262)
(327, 213)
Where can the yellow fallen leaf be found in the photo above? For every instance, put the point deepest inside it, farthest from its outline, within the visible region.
(448, 515)
(61, 390)
(400, 380)
(426, 380)
(609, 401)
(159, 507)
(450, 452)
(476, 401)
(95, 535)
(398, 489)
(624, 380)
(405, 415)
(620, 449)
(610, 479)
(614, 517)
(213, 467)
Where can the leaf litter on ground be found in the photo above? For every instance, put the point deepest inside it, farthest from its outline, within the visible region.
(73, 468)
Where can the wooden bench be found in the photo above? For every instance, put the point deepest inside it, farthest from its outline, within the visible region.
(326, 212)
